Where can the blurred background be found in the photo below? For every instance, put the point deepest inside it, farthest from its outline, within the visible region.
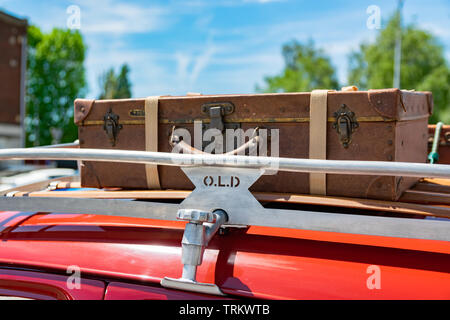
(53, 51)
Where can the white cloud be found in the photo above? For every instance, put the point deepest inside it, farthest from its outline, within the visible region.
(436, 30)
(103, 53)
(220, 3)
(190, 66)
(266, 58)
(152, 71)
(183, 60)
(204, 21)
(262, 1)
(3, 2)
(113, 17)
(201, 62)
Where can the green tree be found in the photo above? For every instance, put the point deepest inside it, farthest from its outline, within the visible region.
(55, 78)
(115, 86)
(306, 68)
(423, 65)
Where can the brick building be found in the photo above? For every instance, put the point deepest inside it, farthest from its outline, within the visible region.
(13, 43)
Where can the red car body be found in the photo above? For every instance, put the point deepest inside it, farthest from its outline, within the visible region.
(126, 258)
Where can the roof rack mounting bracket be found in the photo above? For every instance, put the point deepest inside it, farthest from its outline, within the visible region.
(219, 194)
(222, 188)
(201, 228)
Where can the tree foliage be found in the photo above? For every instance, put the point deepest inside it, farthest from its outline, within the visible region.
(55, 78)
(423, 65)
(115, 86)
(306, 68)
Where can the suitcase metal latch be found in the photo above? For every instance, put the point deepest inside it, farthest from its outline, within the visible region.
(216, 111)
(345, 124)
(111, 126)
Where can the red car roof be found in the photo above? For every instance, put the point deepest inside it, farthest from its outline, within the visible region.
(257, 262)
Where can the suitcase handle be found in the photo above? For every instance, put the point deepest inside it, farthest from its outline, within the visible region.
(175, 141)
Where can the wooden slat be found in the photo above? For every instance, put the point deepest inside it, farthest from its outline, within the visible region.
(38, 185)
(443, 182)
(70, 184)
(431, 187)
(107, 194)
(425, 197)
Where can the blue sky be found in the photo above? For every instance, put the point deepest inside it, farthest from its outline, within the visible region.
(223, 46)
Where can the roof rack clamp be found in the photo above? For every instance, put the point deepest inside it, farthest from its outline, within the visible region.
(202, 226)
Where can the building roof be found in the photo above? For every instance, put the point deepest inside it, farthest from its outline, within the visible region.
(8, 18)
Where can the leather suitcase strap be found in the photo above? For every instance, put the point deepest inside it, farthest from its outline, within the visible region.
(151, 140)
(318, 138)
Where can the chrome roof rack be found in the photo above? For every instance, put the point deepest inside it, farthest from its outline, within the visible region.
(406, 169)
(209, 207)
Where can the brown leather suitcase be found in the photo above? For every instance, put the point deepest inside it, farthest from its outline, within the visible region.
(377, 125)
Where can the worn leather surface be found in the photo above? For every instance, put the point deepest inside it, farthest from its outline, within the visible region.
(400, 135)
(82, 107)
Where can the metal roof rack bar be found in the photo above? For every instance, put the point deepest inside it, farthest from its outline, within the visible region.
(69, 145)
(406, 169)
(278, 218)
